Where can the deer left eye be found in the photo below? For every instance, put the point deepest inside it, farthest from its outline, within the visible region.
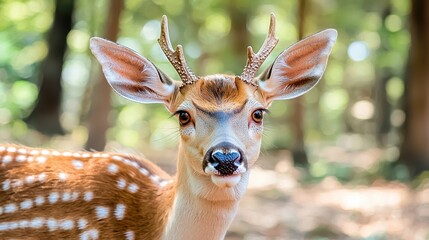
(184, 118)
(258, 115)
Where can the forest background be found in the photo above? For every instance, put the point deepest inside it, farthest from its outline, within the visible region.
(348, 160)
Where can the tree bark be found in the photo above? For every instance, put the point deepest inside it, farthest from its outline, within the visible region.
(297, 119)
(415, 148)
(101, 101)
(46, 114)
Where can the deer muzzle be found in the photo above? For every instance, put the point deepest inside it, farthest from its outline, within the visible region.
(225, 163)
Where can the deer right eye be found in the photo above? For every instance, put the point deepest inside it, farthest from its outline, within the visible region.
(184, 118)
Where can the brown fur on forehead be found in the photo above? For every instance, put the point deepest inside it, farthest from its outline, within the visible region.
(219, 93)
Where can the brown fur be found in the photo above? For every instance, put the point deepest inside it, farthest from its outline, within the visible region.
(145, 213)
(219, 93)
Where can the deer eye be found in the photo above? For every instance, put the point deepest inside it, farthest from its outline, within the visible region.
(184, 118)
(258, 115)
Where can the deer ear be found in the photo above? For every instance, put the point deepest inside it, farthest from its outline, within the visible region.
(131, 75)
(298, 69)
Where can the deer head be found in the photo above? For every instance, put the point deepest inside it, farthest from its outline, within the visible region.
(220, 116)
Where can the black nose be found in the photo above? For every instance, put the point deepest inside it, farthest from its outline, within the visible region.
(225, 158)
(220, 157)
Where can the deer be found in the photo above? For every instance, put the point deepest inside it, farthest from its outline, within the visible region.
(50, 194)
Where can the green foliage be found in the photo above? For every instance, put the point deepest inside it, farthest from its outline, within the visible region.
(373, 43)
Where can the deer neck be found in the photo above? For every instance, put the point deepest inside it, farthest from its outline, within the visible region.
(200, 209)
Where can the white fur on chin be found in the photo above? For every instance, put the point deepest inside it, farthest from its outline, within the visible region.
(226, 181)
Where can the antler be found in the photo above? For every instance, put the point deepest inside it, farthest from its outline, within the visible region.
(254, 61)
(176, 58)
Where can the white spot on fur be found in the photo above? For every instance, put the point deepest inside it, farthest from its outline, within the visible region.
(10, 208)
(144, 171)
(82, 223)
(134, 164)
(22, 151)
(4, 226)
(62, 176)
(45, 152)
(86, 155)
(41, 159)
(77, 155)
(164, 183)
(96, 154)
(37, 222)
(21, 158)
(42, 177)
(77, 164)
(55, 153)
(7, 159)
(91, 234)
(52, 224)
(11, 149)
(67, 154)
(74, 196)
(6, 185)
(122, 183)
(26, 204)
(39, 200)
(112, 168)
(66, 224)
(129, 235)
(88, 196)
(34, 152)
(105, 155)
(13, 225)
(66, 197)
(53, 197)
(24, 224)
(2, 148)
(30, 179)
(120, 211)
(30, 159)
(133, 188)
(102, 212)
(155, 178)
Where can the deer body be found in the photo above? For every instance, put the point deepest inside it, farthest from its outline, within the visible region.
(51, 194)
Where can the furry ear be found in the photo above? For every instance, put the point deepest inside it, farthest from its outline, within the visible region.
(298, 69)
(131, 75)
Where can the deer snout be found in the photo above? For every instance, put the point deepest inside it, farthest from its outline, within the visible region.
(224, 159)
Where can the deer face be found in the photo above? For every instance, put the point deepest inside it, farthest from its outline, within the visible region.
(220, 116)
(220, 120)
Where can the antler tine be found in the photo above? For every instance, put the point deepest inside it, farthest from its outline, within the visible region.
(254, 61)
(176, 58)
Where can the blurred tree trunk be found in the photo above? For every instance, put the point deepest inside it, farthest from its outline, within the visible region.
(46, 114)
(383, 108)
(297, 120)
(101, 101)
(240, 35)
(415, 148)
